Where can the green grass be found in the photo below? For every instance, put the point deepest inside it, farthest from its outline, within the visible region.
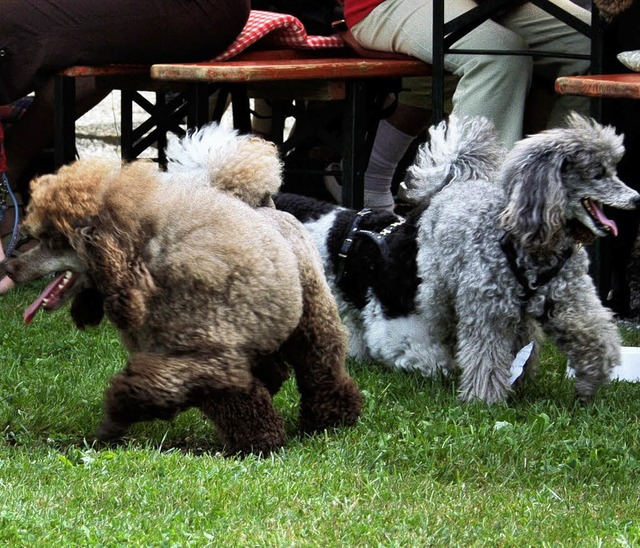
(419, 468)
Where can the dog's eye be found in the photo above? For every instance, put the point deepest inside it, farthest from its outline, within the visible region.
(53, 240)
(600, 172)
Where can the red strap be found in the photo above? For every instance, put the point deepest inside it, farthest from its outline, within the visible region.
(3, 156)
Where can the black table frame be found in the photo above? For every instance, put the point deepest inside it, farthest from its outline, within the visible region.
(446, 34)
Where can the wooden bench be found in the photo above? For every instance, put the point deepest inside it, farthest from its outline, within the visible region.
(275, 74)
(131, 80)
(605, 86)
(287, 74)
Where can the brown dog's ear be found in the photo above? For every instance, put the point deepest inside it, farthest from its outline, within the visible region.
(122, 277)
(87, 308)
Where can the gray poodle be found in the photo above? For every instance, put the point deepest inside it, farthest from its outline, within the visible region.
(504, 254)
(492, 255)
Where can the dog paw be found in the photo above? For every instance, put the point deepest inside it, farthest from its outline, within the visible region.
(584, 399)
(340, 406)
(110, 432)
(262, 444)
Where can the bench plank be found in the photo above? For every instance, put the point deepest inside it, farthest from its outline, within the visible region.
(614, 86)
(105, 70)
(292, 69)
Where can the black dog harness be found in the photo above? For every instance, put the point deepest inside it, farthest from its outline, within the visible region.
(514, 256)
(378, 238)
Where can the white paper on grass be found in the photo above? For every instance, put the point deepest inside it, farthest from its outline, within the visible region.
(629, 368)
(519, 362)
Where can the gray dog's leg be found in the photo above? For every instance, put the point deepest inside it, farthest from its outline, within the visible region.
(585, 331)
(484, 355)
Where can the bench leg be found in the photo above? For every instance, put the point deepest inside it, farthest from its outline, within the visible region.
(437, 81)
(64, 120)
(240, 108)
(198, 100)
(126, 125)
(279, 110)
(354, 137)
(165, 115)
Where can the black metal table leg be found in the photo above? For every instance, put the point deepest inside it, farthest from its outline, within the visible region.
(354, 135)
(597, 57)
(126, 125)
(437, 79)
(198, 100)
(279, 111)
(64, 120)
(240, 108)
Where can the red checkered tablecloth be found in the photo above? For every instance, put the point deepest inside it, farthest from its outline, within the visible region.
(277, 29)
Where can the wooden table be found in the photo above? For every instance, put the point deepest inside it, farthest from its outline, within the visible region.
(287, 74)
(607, 86)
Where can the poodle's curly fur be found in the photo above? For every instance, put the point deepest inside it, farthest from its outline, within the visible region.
(214, 297)
(492, 255)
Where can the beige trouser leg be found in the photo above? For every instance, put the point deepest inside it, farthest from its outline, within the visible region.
(494, 86)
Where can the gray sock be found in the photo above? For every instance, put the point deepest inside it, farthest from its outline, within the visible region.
(388, 149)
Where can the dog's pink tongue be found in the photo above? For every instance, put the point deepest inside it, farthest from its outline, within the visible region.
(50, 296)
(603, 219)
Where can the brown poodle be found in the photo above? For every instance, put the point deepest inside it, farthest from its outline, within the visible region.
(213, 297)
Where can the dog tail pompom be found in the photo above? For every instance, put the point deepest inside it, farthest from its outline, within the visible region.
(462, 149)
(246, 166)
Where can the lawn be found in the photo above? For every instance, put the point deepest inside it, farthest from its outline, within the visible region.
(419, 468)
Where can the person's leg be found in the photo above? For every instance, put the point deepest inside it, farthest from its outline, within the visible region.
(393, 138)
(40, 37)
(542, 31)
(492, 86)
(5, 283)
(396, 134)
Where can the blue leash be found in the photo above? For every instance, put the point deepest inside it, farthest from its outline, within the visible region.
(5, 192)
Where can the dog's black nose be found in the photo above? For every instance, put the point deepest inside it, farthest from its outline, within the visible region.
(636, 201)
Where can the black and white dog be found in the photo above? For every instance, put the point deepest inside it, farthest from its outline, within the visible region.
(368, 257)
(492, 255)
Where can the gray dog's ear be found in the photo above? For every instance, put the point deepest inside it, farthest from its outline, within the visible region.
(535, 211)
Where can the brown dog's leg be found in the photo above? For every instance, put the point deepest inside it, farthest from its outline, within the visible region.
(137, 395)
(245, 419)
(158, 387)
(272, 371)
(317, 351)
